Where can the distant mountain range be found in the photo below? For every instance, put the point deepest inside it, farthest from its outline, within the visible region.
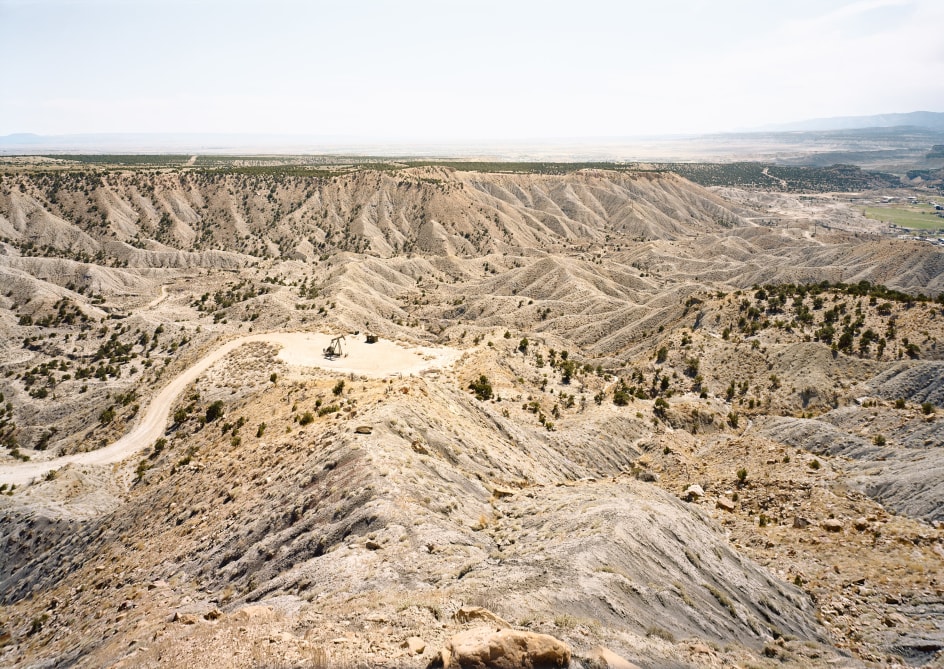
(914, 131)
(918, 119)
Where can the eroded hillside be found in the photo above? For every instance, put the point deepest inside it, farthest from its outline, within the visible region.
(623, 338)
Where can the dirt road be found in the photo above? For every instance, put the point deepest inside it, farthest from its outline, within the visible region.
(300, 349)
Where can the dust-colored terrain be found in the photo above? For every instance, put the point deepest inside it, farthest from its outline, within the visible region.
(699, 427)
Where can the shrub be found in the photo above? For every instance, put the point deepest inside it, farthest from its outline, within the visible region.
(741, 475)
(621, 396)
(660, 633)
(662, 355)
(568, 368)
(927, 408)
(37, 625)
(879, 440)
(482, 388)
(660, 408)
(691, 367)
(338, 388)
(306, 419)
(214, 411)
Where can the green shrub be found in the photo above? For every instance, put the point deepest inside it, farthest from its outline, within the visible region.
(660, 408)
(621, 396)
(214, 411)
(482, 388)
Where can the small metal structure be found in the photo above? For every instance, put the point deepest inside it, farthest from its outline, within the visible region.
(334, 348)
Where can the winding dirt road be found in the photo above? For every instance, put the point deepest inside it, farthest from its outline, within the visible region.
(157, 300)
(298, 349)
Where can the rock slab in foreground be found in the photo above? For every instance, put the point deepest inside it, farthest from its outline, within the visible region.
(486, 648)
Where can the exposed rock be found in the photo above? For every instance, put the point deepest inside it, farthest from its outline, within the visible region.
(414, 644)
(484, 648)
(254, 613)
(832, 525)
(469, 614)
(694, 492)
(800, 522)
(604, 658)
(894, 620)
(213, 614)
(185, 618)
(725, 504)
(904, 475)
(861, 524)
(565, 528)
(915, 380)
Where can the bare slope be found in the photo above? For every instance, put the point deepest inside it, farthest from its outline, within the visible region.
(627, 355)
(322, 514)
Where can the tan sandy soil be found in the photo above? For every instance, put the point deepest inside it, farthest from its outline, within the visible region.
(381, 359)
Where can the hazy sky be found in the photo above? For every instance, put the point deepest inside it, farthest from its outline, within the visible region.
(425, 69)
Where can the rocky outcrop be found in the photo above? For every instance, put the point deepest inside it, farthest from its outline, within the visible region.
(913, 380)
(487, 648)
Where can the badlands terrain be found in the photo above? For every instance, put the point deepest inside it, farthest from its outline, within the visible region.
(696, 426)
